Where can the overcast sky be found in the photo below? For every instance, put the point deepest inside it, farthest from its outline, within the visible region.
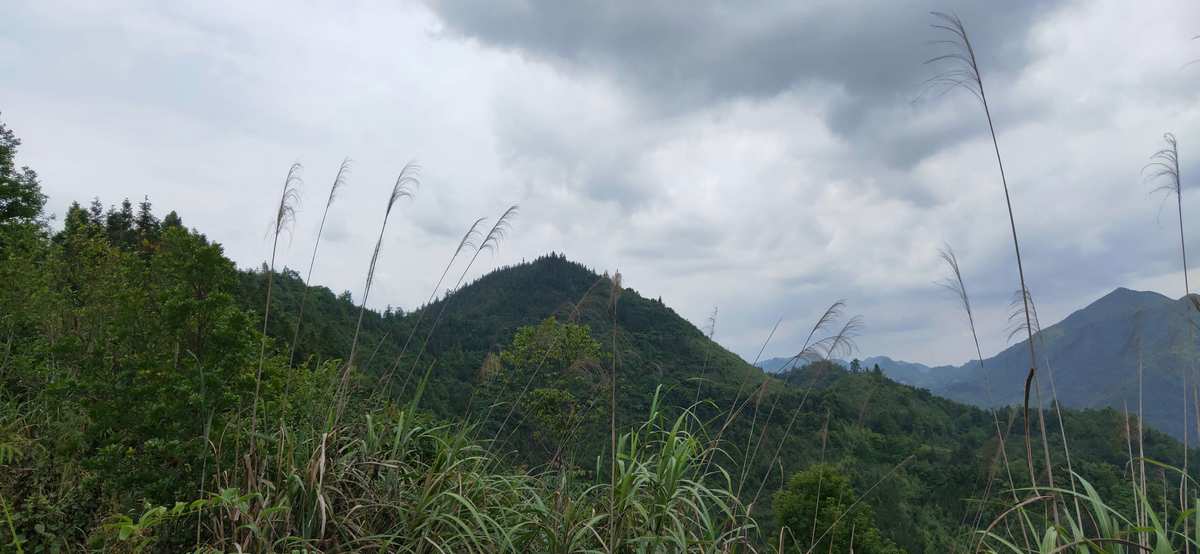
(764, 158)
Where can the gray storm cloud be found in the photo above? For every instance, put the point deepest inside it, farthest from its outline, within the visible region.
(763, 157)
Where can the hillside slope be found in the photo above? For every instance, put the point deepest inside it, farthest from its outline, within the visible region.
(873, 424)
(1094, 355)
(655, 343)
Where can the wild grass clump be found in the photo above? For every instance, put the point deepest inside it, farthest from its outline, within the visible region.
(1099, 527)
(397, 481)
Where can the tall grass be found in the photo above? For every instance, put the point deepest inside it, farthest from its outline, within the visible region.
(813, 348)
(1030, 326)
(710, 332)
(468, 242)
(837, 344)
(285, 213)
(737, 406)
(1144, 530)
(1163, 169)
(404, 187)
(958, 287)
(395, 481)
(406, 182)
(750, 452)
(614, 296)
(338, 182)
(1100, 528)
(962, 73)
(491, 242)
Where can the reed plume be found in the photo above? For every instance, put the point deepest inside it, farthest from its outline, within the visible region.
(490, 243)
(838, 344)
(962, 72)
(468, 242)
(285, 214)
(406, 183)
(338, 181)
(710, 333)
(807, 351)
(1164, 170)
(958, 287)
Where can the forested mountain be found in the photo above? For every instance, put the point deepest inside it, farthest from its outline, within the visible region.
(774, 365)
(1094, 355)
(908, 373)
(873, 422)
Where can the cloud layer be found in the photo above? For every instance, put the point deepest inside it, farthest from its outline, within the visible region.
(766, 158)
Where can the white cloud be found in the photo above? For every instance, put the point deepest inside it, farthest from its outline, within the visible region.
(767, 198)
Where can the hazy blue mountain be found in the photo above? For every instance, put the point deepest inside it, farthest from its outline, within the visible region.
(908, 373)
(1093, 355)
(911, 373)
(774, 365)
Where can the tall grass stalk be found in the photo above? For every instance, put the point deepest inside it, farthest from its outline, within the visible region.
(285, 213)
(1133, 473)
(738, 405)
(406, 182)
(841, 343)
(614, 297)
(956, 285)
(468, 242)
(1141, 432)
(338, 181)
(1164, 170)
(491, 242)
(1023, 300)
(1062, 432)
(812, 538)
(16, 539)
(711, 332)
(963, 73)
(808, 350)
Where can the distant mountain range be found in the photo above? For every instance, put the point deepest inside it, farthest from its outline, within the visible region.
(1093, 356)
(909, 373)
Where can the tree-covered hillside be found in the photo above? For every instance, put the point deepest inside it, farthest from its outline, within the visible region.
(874, 423)
(1096, 354)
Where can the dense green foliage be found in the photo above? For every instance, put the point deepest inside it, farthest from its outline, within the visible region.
(812, 505)
(874, 423)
